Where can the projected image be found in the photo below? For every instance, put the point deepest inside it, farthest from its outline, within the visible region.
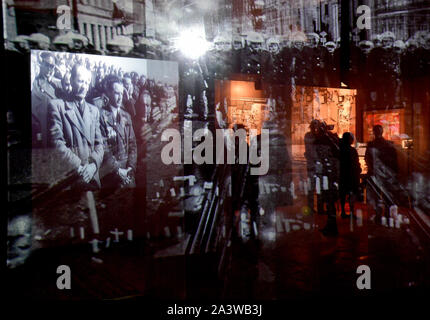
(96, 127)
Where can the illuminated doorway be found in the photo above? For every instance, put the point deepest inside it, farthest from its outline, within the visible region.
(335, 106)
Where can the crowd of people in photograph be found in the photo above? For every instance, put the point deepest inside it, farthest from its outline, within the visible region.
(95, 113)
(302, 58)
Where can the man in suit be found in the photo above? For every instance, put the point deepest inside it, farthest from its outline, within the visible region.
(75, 130)
(119, 163)
(44, 90)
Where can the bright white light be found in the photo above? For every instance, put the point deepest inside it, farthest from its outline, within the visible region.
(192, 43)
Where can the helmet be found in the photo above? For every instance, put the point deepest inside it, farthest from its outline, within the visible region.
(411, 44)
(39, 40)
(298, 39)
(366, 46)
(313, 39)
(331, 46)
(120, 44)
(273, 45)
(21, 39)
(237, 42)
(387, 39)
(399, 46)
(222, 43)
(426, 42)
(21, 43)
(285, 41)
(388, 35)
(254, 41)
(377, 40)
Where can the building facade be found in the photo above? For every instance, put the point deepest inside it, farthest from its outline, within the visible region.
(402, 17)
(283, 17)
(98, 20)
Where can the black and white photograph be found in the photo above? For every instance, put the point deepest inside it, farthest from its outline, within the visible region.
(217, 151)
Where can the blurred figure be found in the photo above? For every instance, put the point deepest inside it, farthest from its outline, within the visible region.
(327, 171)
(273, 45)
(19, 240)
(350, 170)
(237, 42)
(381, 156)
(366, 46)
(377, 42)
(332, 65)
(276, 72)
(322, 157)
(382, 69)
(253, 59)
(330, 46)
(128, 98)
(381, 161)
(66, 87)
(311, 160)
(38, 41)
(21, 43)
(298, 59)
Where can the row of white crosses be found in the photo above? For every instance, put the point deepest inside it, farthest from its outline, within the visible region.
(95, 226)
(95, 242)
(268, 188)
(305, 186)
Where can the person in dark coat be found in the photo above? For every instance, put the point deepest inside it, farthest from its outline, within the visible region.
(44, 90)
(349, 173)
(381, 161)
(381, 156)
(119, 162)
(75, 131)
(311, 160)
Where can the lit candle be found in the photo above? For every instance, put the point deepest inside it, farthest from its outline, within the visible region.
(179, 231)
(325, 183)
(167, 231)
(254, 224)
(293, 193)
(317, 185)
(359, 217)
(82, 232)
(398, 223)
(287, 225)
(393, 211)
(108, 242)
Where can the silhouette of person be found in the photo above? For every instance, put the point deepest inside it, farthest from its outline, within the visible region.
(381, 156)
(311, 160)
(349, 173)
(381, 161)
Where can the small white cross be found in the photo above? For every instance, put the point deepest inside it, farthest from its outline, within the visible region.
(116, 233)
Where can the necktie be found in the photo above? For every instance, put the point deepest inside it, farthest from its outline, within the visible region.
(81, 106)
